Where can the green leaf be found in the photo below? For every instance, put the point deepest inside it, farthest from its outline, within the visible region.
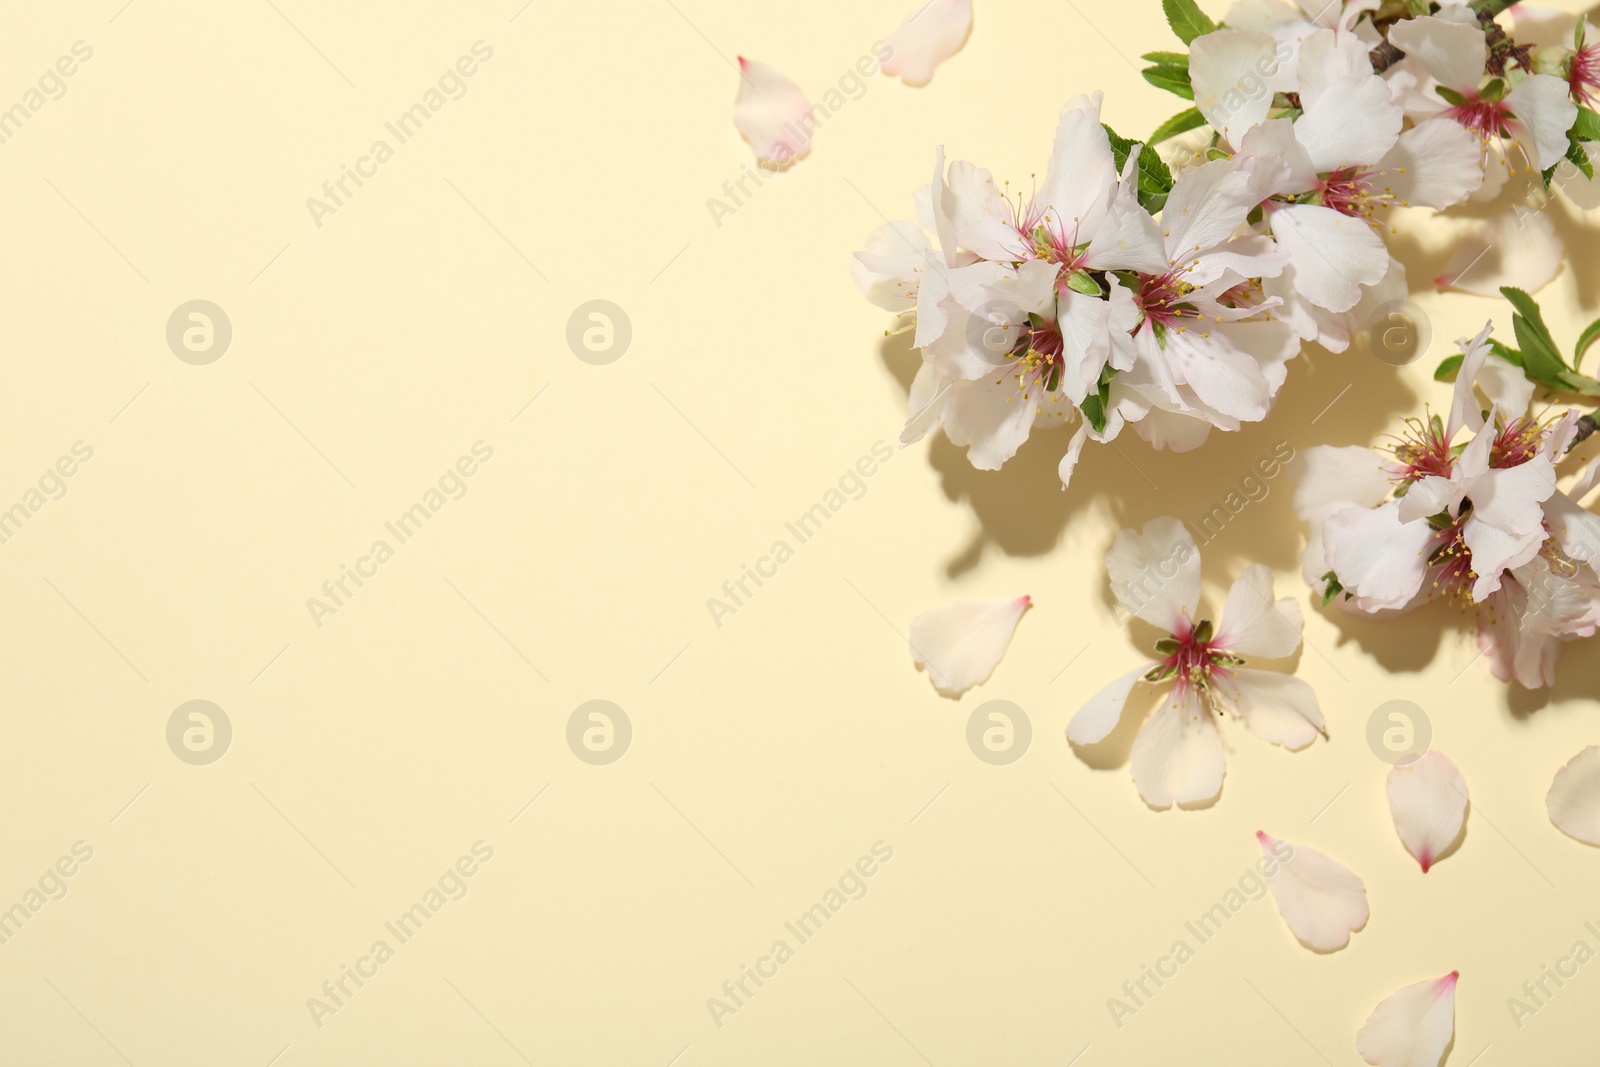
(1585, 339)
(1528, 308)
(1587, 125)
(1174, 80)
(1187, 20)
(1333, 588)
(1155, 180)
(1450, 95)
(1080, 281)
(1182, 122)
(1493, 89)
(1095, 412)
(1177, 59)
(1448, 368)
(1510, 355)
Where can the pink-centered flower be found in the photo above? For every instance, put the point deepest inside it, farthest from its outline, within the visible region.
(1481, 523)
(1178, 755)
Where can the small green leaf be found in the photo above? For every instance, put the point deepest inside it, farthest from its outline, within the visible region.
(1081, 281)
(1493, 89)
(1587, 125)
(1155, 180)
(1510, 355)
(1202, 632)
(1333, 588)
(1174, 80)
(1585, 339)
(1095, 412)
(1177, 59)
(1450, 95)
(1182, 122)
(1448, 368)
(1187, 20)
(1167, 646)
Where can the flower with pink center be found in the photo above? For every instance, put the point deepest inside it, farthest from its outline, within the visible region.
(1320, 178)
(1534, 115)
(1480, 523)
(1178, 754)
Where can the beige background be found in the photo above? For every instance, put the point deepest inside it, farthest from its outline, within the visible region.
(768, 754)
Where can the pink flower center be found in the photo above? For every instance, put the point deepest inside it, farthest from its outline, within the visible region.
(1351, 191)
(1486, 117)
(1517, 442)
(1162, 297)
(1585, 74)
(1421, 451)
(1193, 657)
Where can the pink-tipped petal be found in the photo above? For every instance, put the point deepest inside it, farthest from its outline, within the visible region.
(1320, 899)
(1428, 799)
(1574, 798)
(961, 644)
(930, 35)
(1413, 1026)
(772, 113)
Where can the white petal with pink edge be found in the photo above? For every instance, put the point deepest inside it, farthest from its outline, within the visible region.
(962, 643)
(772, 113)
(1155, 573)
(1413, 1026)
(1428, 799)
(930, 35)
(1178, 758)
(1321, 900)
(1574, 798)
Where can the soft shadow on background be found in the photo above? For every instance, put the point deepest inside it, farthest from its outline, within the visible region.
(1329, 398)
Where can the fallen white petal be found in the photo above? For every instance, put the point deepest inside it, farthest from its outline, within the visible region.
(1574, 798)
(772, 113)
(1413, 1026)
(930, 35)
(1428, 799)
(961, 644)
(1322, 900)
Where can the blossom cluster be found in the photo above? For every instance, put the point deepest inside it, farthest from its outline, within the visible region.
(1126, 292)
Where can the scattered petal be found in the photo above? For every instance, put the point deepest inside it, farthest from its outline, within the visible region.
(1412, 1027)
(930, 35)
(772, 113)
(1428, 799)
(1574, 798)
(961, 644)
(1322, 900)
